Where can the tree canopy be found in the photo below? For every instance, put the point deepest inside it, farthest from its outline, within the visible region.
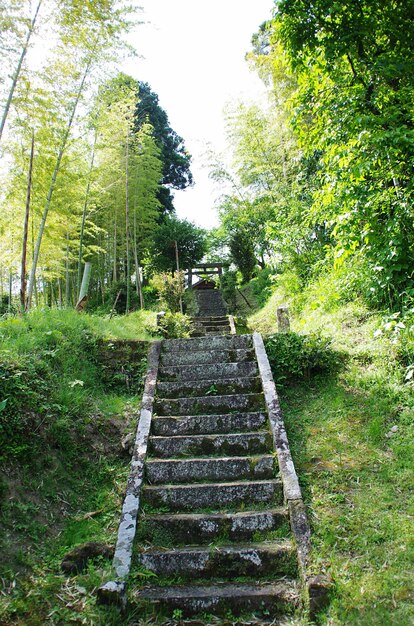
(322, 178)
(190, 241)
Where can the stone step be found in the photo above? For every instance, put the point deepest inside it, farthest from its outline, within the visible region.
(211, 324)
(208, 424)
(258, 560)
(222, 469)
(211, 333)
(213, 330)
(203, 372)
(209, 404)
(214, 496)
(208, 357)
(276, 598)
(228, 342)
(234, 444)
(211, 319)
(198, 528)
(212, 312)
(187, 389)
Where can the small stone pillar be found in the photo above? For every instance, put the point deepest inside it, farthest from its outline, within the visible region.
(283, 324)
(160, 316)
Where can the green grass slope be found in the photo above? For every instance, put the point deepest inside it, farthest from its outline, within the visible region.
(63, 414)
(351, 434)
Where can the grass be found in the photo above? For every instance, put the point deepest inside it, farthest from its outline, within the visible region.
(356, 473)
(63, 470)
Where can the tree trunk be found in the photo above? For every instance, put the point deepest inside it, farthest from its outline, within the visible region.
(10, 291)
(67, 275)
(18, 69)
(85, 207)
(137, 272)
(178, 272)
(52, 187)
(26, 229)
(128, 263)
(114, 274)
(83, 294)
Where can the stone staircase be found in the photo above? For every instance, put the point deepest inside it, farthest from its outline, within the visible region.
(213, 522)
(213, 325)
(213, 533)
(212, 316)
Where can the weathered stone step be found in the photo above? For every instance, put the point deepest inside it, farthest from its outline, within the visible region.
(208, 424)
(234, 444)
(222, 469)
(259, 560)
(277, 598)
(214, 333)
(209, 404)
(212, 319)
(212, 324)
(214, 496)
(228, 342)
(213, 370)
(208, 357)
(213, 388)
(213, 330)
(211, 311)
(198, 528)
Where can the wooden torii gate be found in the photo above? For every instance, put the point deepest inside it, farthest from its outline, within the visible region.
(205, 268)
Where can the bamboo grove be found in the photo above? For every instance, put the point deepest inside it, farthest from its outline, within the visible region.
(82, 167)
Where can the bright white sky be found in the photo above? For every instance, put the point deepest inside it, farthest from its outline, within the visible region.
(194, 60)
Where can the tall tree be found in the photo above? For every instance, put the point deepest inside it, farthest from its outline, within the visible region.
(354, 65)
(176, 159)
(176, 235)
(17, 71)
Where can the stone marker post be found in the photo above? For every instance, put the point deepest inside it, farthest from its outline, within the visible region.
(283, 323)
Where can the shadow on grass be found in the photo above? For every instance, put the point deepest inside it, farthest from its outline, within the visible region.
(356, 484)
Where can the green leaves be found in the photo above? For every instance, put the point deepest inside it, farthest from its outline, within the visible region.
(353, 103)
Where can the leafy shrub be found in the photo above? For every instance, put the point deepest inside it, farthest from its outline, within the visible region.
(170, 289)
(228, 284)
(293, 356)
(150, 296)
(399, 326)
(175, 325)
(262, 285)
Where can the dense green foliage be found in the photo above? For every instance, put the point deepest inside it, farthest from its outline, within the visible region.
(322, 178)
(294, 357)
(175, 158)
(174, 236)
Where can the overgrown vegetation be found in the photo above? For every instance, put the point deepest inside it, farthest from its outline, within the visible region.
(351, 433)
(69, 396)
(293, 356)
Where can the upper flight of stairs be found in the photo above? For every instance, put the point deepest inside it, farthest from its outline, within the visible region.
(212, 318)
(213, 527)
